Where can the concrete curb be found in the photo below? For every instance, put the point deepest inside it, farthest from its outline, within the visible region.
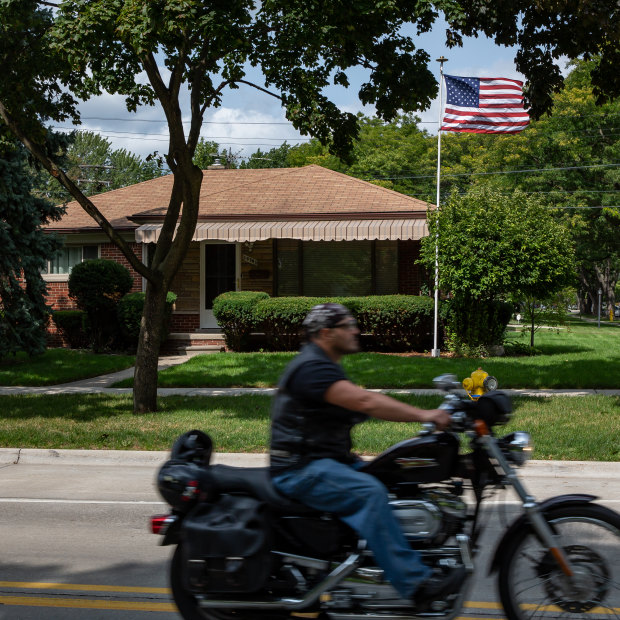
(103, 458)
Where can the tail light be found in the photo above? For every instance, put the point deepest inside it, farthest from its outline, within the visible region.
(160, 523)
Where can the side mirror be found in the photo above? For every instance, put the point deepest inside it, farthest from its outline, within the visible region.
(447, 383)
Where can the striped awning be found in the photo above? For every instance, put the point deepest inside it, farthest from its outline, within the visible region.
(305, 230)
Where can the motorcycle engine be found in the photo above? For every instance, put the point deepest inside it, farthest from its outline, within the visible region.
(432, 517)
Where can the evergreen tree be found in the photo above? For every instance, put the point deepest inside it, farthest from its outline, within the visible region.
(25, 251)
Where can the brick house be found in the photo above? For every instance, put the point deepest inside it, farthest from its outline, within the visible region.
(287, 231)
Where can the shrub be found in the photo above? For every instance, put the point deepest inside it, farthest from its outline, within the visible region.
(72, 326)
(97, 286)
(390, 322)
(129, 314)
(281, 318)
(234, 312)
(475, 324)
(397, 322)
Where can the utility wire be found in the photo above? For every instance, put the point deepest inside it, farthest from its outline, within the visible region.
(473, 174)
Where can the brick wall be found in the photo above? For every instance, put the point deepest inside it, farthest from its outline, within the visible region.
(186, 283)
(183, 323)
(110, 252)
(58, 292)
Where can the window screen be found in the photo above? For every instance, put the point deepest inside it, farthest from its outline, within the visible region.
(288, 257)
(336, 268)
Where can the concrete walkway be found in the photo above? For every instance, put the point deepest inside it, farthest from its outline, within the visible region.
(101, 385)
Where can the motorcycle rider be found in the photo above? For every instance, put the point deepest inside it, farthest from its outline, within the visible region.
(311, 461)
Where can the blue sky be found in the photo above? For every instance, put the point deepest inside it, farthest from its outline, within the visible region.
(249, 119)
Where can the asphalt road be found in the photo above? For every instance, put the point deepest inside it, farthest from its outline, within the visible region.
(75, 539)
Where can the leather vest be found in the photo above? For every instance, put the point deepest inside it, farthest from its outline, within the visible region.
(303, 430)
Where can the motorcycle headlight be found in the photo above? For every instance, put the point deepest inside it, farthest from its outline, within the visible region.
(518, 447)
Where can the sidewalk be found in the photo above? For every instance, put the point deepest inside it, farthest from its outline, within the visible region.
(101, 385)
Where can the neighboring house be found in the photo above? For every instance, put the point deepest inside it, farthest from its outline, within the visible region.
(286, 231)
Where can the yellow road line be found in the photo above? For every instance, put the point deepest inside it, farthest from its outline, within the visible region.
(44, 585)
(39, 601)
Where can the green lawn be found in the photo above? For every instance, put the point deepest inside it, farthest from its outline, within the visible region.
(59, 366)
(577, 356)
(563, 428)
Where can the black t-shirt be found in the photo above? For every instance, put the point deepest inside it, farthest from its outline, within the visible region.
(314, 378)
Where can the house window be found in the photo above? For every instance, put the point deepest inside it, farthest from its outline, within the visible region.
(337, 268)
(68, 257)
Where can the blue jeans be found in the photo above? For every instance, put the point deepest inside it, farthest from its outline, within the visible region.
(361, 501)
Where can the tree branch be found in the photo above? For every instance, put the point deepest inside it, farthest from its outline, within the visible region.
(59, 174)
(264, 90)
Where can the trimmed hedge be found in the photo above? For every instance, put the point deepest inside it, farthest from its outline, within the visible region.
(129, 314)
(72, 326)
(388, 323)
(397, 322)
(234, 312)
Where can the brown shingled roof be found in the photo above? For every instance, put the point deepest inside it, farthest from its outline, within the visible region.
(274, 193)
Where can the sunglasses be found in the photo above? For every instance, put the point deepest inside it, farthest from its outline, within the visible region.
(350, 324)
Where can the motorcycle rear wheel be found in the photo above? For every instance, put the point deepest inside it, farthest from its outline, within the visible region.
(531, 584)
(188, 606)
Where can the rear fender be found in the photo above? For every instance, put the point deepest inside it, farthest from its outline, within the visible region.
(172, 535)
(522, 521)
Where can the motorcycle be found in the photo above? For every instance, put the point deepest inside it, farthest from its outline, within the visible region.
(243, 551)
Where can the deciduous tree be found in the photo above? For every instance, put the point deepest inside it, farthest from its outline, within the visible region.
(151, 50)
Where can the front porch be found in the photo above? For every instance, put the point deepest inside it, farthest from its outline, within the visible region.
(198, 341)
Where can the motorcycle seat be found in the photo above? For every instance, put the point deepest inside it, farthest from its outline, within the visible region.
(255, 481)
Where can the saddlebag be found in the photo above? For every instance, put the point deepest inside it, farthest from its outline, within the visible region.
(226, 546)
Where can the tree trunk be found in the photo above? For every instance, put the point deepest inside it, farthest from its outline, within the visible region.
(149, 342)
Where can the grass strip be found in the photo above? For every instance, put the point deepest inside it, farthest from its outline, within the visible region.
(59, 366)
(578, 356)
(563, 428)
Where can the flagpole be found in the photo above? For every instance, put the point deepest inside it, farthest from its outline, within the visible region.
(436, 352)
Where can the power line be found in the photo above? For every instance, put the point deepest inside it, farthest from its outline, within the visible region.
(473, 174)
(122, 134)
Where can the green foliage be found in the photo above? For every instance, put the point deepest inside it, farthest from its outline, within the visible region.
(129, 314)
(25, 251)
(235, 315)
(492, 244)
(97, 286)
(397, 322)
(388, 322)
(550, 311)
(281, 317)
(474, 325)
(206, 152)
(277, 157)
(72, 326)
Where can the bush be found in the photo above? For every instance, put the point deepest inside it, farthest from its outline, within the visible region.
(281, 318)
(234, 312)
(475, 324)
(389, 323)
(72, 326)
(397, 322)
(129, 314)
(97, 286)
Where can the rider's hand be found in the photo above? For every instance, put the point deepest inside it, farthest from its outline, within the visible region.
(440, 418)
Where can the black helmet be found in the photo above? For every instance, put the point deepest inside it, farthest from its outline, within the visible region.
(194, 446)
(324, 315)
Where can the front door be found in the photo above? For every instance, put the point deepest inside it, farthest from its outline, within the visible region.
(219, 275)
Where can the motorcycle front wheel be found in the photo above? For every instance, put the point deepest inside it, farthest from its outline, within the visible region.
(188, 606)
(531, 584)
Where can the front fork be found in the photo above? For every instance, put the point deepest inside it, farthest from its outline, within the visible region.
(530, 506)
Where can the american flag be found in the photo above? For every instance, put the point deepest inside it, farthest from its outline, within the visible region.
(484, 105)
